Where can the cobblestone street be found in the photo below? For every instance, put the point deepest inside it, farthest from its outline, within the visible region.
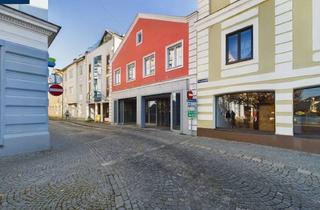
(128, 168)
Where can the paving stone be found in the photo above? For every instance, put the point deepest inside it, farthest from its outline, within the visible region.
(108, 167)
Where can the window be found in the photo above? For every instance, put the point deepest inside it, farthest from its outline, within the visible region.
(239, 46)
(249, 111)
(139, 37)
(174, 56)
(131, 71)
(117, 77)
(307, 111)
(149, 66)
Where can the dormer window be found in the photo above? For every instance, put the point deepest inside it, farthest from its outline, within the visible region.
(139, 38)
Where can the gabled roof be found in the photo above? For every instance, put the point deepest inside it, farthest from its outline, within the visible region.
(151, 17)
(101, 40)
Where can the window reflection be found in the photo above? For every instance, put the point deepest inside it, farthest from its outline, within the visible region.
(307, 111)
(249, 111)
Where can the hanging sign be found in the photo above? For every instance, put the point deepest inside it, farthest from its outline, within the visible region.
(51, 62)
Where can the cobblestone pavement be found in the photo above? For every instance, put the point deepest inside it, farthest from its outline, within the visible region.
(115, 168)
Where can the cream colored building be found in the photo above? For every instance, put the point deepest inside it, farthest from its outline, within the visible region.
(86, 82)
(258, 71)
(74, 84)
(99, 76)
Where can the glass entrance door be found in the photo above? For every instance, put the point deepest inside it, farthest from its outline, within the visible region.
(151, 113)
(163, 112)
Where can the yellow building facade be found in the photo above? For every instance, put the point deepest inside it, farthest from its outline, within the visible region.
(258, 71)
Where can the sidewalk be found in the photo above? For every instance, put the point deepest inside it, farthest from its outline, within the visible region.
(304, 163)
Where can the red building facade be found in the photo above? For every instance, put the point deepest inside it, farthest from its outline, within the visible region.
(157, 35)
(150, 74)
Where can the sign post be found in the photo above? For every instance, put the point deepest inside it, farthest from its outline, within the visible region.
(192, 107)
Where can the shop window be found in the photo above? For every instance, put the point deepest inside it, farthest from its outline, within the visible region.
(253, 111)
(239, 46)
(176, 111)
(307, 111)
(149, 66)
(174, 56)
(131, 72)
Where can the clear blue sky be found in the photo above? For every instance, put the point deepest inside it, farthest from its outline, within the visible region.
(84, 21)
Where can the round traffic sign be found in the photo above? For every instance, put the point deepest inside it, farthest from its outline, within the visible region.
(190, 95)
(55, 90)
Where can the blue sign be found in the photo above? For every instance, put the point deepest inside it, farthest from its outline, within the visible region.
(14, 1)
(192, 101)
(51, 64)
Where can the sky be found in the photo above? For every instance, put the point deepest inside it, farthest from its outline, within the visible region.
(83, 21)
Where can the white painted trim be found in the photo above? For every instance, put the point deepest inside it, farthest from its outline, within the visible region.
(158, 83)
(284, 119)
(141, 31)
(239, 18)
(283, 8)
(285, 17)
(207, 109)
(240, 70)
(263, 77)
(206, 117)
(316, 57)
(284, 108)
(284, 96)
(263, 86)
(135, 71)
(143, 65)
(316, 24)
(166, 55)
(255, 24)
(286, 131)
(114, 77)
(227, 12)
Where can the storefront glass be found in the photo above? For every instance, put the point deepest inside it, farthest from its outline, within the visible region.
(307, 111)
(176, 111)
(246, 111)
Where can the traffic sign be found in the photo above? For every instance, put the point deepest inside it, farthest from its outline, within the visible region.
(55, 90)
(190, 95)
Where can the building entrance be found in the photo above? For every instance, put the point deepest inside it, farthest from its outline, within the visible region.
(158, 111)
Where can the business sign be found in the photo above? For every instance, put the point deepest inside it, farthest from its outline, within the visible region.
(14, 1)
(55, 90)
(51, 62)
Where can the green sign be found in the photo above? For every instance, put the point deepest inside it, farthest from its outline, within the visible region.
(192, 114)
(53, 60)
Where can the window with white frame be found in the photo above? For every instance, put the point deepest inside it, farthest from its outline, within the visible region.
(131, 71)
(139, 37)
(149, 66)
(174, 56)
(117, 77)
